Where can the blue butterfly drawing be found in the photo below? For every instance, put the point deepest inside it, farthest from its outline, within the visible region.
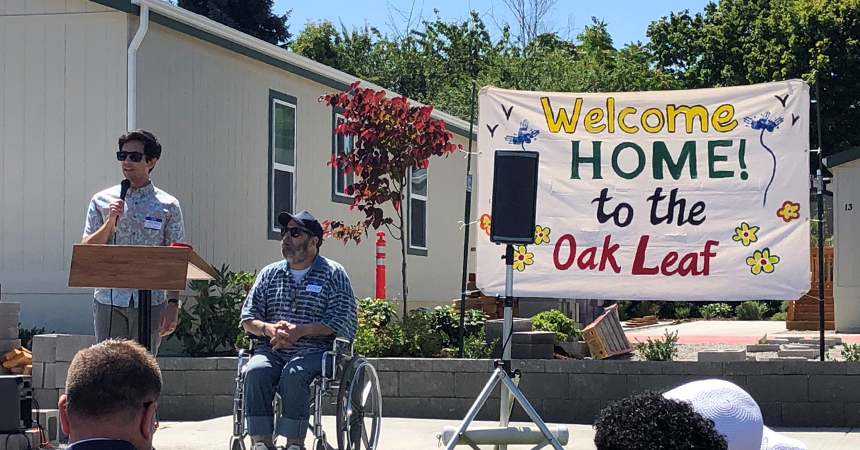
(524, 135)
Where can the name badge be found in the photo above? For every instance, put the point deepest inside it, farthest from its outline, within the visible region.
(152, 223)
(315, 288)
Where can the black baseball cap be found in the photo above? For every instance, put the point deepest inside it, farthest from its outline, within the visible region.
(303, 219)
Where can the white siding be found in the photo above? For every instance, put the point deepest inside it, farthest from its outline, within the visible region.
(62, 105)
(847, 227)
(846, 277)
(209, 108)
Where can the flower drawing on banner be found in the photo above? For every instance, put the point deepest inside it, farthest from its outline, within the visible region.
(745, 234)
(484, 223)
(541, 235)
(768, 124)
(789, 211)
(762, 261)
(522, 258)
(524, 135)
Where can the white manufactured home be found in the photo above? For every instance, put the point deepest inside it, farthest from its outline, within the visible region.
(243, 133)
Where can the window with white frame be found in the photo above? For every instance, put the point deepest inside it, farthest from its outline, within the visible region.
(418, 211)
(340, 179)
(282, 161)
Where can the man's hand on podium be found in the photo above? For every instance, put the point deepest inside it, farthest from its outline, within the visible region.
(167, 321)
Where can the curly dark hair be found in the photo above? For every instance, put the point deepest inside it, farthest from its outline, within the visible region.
(649, 421)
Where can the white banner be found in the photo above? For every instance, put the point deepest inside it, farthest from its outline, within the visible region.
(669, 195)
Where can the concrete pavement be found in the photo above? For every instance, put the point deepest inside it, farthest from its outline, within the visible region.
(420, 434)
(725, 331)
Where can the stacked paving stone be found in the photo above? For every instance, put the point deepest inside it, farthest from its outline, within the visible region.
(792, 347)
(52, 354)
(525, 343)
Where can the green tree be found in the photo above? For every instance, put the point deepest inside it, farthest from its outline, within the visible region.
(741, 42)
(254, 17)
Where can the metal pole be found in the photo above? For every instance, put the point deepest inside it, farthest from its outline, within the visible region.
(466, 218)
(507, 327)
(820, 217)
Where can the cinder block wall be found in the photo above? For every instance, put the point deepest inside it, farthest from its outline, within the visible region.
(790, 393)
(52, 354)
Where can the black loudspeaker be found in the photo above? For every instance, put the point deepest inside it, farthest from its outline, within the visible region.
(515, 179)
(16, 408)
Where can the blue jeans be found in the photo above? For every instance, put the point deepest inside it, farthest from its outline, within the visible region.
(267, 371)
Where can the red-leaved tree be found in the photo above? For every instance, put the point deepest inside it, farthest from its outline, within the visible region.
(390, 137)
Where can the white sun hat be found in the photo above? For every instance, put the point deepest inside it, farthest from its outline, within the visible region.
(772, 440)
(735, 413)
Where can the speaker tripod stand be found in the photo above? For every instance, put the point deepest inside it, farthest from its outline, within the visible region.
(510, 379)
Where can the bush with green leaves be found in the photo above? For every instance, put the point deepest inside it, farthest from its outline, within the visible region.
(659, 349)
(208, 328)
(446, 320)
(716, 310)
(26, 335)
(751, 310)
(420, 335)
(554, 320)
(851, 352)
(646, 308)
(683, 310)
(783, 311)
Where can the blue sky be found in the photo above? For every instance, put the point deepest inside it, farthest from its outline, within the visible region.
(627, 19)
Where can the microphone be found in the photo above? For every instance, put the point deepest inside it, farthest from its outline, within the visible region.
(123, 190)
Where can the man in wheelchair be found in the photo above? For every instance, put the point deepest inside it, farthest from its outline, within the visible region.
(297, 307)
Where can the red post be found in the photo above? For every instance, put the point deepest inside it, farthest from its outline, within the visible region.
(380, 264)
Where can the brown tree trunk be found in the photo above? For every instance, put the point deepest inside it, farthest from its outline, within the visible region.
(403, 244)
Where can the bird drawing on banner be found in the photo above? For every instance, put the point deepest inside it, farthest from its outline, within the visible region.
(524, 135)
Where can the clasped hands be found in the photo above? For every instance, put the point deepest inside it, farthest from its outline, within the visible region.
(283, 334)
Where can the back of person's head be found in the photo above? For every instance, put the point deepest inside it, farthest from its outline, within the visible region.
(111, 378)
(650, 421)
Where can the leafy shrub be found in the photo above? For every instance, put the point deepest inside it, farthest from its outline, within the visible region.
(421, 339)
(783, 311)
(26, 335)
(476, 347)
(446, 320)
(751, 310)
(554, 320)
(682, 310)
(622, 308)
(420, 335)
(646, 308)
(716, 310)
(851, 352)
(209, 327)
(659, 349)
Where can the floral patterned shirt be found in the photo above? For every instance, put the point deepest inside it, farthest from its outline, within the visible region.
(324, 295)
(151, 217)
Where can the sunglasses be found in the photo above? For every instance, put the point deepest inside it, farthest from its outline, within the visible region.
(294, 231)
(134, 156)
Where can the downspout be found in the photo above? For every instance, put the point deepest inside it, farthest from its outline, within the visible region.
(131, 103)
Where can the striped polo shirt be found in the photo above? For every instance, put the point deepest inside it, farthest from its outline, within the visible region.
(324, 295)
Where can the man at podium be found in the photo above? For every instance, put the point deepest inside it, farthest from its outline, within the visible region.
(135, 214)
(299, 305)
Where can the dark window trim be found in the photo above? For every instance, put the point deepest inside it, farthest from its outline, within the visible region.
(335, 197)
(275, 95)
(410, 250)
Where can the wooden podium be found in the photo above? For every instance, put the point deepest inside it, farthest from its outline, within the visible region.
(137, 267)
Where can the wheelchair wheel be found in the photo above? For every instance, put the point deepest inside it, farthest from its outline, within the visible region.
(359, 407)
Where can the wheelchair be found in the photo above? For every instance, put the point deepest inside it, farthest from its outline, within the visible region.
(348, 381)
